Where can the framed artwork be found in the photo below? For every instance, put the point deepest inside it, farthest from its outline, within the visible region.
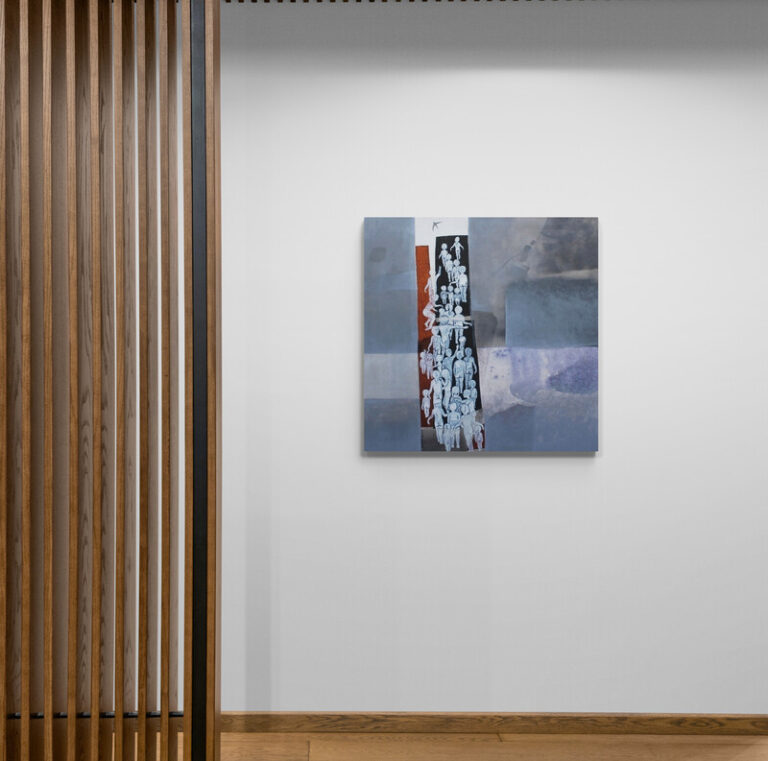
(481, 334)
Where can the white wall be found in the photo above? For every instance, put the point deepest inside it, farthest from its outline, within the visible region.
(631, 581)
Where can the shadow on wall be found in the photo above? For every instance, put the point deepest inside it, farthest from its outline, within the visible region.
(612, 34)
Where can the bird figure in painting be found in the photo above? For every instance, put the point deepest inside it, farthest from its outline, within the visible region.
(435, 225)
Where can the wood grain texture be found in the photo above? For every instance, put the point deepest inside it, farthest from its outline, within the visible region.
(163, 36)
(172, 294)
(85, 246)
(60, 364)
(37, 370)
(186, 120)
(513, 723)
(73, 337)
(96, 370)
(13, 368)
(120, 342)
(154, 411)
(107, 400)
(143, 254)
(531, 749)
(490, 747)
(48, 372)
(26, 383)
(175, 306)
(173, 376)
(130, 557)
(248, 747)
(12, 497)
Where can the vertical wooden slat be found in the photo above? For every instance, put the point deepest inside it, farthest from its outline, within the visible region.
(95, 187)
(141, 105)
(107, 475)
(154, 471)
(3, 406)
(120, 327)
(186, 79)
(165, 258)
(85, 373)
(48, 369)
(26, 384)
(173, 582)
(37, 370)
(13, 503)
(60, 369)
(74, 429)
(86, 378)
(131, 369)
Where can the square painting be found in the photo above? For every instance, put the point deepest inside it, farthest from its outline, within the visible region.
(480, 334)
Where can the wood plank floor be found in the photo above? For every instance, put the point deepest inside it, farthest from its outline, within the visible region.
(328, 746)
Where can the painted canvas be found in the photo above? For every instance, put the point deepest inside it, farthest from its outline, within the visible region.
(480, 334)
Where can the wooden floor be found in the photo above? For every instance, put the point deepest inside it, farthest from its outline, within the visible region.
(487, 747)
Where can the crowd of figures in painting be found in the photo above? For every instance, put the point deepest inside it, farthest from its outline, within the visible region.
(448, 362)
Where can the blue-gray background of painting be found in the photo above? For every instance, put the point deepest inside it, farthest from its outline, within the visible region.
(391, 398)
(535, 302)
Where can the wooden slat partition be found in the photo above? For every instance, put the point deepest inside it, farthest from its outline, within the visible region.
(48, 610)
(186, 95)
(143, 255)
(26, 383)
(91, 472)
(74, 387)
(118, 22)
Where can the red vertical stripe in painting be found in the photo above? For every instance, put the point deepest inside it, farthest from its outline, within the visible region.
(422, 293)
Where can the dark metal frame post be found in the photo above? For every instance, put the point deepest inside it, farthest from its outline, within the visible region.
(199, 384)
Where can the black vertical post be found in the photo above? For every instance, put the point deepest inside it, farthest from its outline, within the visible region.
(199, 385)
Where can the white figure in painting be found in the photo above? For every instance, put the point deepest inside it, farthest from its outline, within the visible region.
(425, 405)
(468, 423)
(444, 294)
(455, 397)
(478, 433)
(437, 367)
(426, 362)
(435, 343)
(445, 327)
(454, 423)
(436, 390)
(429, 313)
(460, 323)
(431, 286)
(446, 386)
(459, 371)
(448, 363)
(471, 365)
(445, 257)
(463, 282)
(472, 393)
(439, 416)
(457, 247)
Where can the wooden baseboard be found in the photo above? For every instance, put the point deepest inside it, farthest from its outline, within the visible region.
(522, 723)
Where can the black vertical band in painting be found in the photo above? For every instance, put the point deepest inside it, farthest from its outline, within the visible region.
(457, 246)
